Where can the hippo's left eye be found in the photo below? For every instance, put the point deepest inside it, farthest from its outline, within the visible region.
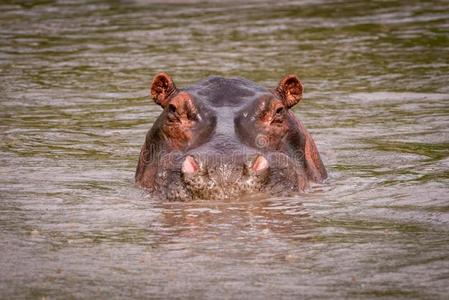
(279, 115)
(280, 111)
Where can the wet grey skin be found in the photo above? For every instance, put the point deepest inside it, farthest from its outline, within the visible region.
(224, 138)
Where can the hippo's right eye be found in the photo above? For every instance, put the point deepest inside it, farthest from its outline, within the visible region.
(171, 108)
(172, 116)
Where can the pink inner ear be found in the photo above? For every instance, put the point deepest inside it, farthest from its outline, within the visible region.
(189, 165)
(259, 164)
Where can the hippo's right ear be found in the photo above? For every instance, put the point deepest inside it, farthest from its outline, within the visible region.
(162, 87)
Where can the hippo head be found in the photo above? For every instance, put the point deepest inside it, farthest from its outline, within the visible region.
(224, 138)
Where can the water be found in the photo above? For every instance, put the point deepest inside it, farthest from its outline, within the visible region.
(75, 109)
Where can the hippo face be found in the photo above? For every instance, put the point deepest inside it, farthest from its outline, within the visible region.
(224, 138)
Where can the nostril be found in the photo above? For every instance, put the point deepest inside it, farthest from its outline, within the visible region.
(189, 166)
(257, 164)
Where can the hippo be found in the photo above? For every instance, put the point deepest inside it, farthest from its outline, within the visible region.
(227, 138)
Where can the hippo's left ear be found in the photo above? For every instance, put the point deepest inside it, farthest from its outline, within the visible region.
(290, 90)
(162, 87)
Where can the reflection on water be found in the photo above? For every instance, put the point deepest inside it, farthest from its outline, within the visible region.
(75, 109)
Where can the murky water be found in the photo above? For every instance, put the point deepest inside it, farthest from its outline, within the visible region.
(75, 109)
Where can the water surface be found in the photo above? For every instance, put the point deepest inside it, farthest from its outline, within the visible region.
(74, 110)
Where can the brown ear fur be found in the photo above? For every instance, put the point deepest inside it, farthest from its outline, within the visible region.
(162, 87)
(290, 90)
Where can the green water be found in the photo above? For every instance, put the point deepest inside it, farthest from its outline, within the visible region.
(74, 110)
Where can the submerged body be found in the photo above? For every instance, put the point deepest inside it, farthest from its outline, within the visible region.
(225, 138)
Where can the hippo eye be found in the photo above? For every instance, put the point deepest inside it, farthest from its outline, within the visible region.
(280, 111)
(279, 115)
(172, 116)
(171, 108)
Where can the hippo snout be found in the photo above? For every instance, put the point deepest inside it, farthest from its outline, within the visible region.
(221, 177)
